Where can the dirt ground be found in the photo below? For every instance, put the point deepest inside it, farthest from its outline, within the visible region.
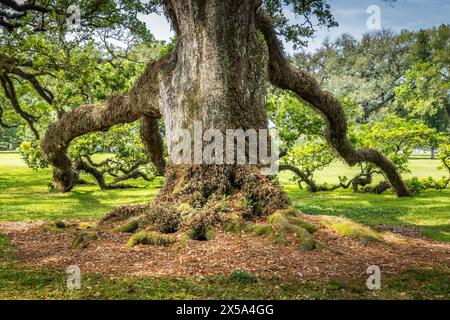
(345, 258)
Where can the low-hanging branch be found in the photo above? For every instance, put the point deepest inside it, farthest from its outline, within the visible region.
(3, 124)
(360, 180)
(142, 101)
(308, 90)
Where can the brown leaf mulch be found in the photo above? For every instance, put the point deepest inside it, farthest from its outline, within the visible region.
(345, 258)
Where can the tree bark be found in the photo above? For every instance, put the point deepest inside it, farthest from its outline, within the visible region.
(151, 137)
(307, 89)
(219, 81)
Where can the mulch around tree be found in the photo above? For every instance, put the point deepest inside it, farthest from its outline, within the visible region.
(345, 258)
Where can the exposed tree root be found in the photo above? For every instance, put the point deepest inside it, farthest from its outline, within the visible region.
(123, 213)
(198, 199)
(284, 222)
(349, 228)
(150, 238)
(307, 89)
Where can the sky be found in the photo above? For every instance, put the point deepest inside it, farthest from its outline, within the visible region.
(353, 18)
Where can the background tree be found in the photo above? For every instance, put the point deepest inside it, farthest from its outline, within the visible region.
(424, 91)
(48, 69)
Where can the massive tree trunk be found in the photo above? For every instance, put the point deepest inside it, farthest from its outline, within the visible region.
(219, 81)
(215, 78)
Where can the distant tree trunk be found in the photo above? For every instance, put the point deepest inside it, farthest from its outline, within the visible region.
(433, 153)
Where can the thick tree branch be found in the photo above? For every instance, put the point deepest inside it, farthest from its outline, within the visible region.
(307, 89)
(4, 125)
(31, 78)
(141, 101)
(81, 121)
(151, 137)
(23, 7)
(312, 186)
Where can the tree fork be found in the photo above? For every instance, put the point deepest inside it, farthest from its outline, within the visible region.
(307, 89)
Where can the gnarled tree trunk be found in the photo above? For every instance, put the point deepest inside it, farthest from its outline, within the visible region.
(219, 81)
(216, 76)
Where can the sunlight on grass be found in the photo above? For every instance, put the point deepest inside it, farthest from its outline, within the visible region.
(25, 195)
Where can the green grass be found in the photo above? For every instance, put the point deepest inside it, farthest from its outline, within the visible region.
(19, 283)
(429, 211)
(24, 195)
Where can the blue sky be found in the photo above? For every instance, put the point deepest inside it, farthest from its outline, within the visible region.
(352, 18)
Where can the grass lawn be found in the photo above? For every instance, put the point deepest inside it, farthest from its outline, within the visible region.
(25, 196)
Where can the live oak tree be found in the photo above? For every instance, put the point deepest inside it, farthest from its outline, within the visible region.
(225, 55)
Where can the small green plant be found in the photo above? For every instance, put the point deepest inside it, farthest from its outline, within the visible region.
(415, 185)
(243, 277)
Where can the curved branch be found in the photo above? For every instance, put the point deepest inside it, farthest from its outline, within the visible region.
(81, 121)
(141, 101)
(312, 186)
(31, 78)
(80, 165)
(136, 174)
(307, 89)
(4, 125)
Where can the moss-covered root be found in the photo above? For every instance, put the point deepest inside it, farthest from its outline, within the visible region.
(129, 226)
(201, 234)
(236, 224)
(83, 238)
(150, 238)
(55, 226)
(284, 222)
(346, 227)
